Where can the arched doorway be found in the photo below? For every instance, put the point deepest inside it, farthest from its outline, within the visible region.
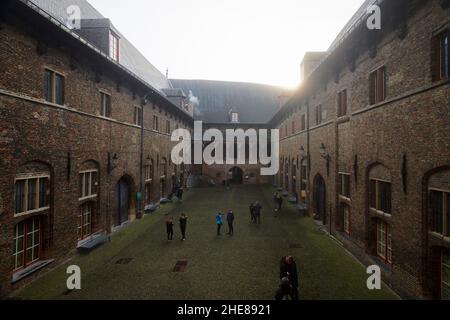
(123, 201)
(237, 175)
(320, 199)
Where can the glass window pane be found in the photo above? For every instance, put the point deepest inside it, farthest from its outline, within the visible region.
(59, 89)
(93, 183)
(48, 91)
(373, 194)
(32, 189)
(19, 196)
(80, 184)
(437, 210)
(86, 185)
(19, 260)
(43, 192)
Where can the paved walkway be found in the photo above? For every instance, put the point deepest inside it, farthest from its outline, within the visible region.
(241, 267)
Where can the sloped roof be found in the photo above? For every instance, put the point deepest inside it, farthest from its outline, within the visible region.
(354, 21)
(255, 103)
(130, 57)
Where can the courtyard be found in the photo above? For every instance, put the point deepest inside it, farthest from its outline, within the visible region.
(139, 262)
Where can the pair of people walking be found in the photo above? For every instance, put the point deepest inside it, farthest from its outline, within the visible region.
(183, 225)
(255, 212)
(289, 280)
(230, 220)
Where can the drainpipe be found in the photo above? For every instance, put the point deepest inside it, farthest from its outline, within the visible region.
(141, 161)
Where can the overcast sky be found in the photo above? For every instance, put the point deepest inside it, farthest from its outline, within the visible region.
(259, 41)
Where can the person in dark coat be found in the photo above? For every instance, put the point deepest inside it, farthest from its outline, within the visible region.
(257, 212)
(169, 228)
(288, 269)
(280, 202)
(252, 212)
(183, 224)
(230, 220)
(180, 193)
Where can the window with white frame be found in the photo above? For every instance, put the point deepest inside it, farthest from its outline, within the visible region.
(380, 196)
(344, 185)
(137, 116)
(54, 87)
(440, 212)
(384, 241)
(148, 171)
(114, 46)
(105, 108)
(31, 194)
(445, 275)
(88, 184)
(85, 221)
(27, 241)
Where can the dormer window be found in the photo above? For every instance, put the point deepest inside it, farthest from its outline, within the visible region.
(234, 117)
(114, 46)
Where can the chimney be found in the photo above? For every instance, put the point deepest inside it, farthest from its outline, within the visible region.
(310, 62)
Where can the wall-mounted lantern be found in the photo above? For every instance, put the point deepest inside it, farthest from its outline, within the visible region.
(112, 162)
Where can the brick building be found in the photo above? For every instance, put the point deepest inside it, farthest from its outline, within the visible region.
(85, 135)
(365, 142)
(85, 125)
(225, 106)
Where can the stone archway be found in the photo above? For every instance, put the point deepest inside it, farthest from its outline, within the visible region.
(237, 175)
(125, 204)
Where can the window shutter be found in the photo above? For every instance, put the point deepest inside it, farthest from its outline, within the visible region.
(372, 87)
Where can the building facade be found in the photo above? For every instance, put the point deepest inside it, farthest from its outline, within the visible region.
(85, 142)
(365, 142)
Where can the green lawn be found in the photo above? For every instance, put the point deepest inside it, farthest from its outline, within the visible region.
(241, 267)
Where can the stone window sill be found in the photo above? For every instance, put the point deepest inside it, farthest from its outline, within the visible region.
(19, 275)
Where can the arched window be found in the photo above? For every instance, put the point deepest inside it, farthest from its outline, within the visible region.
(31, 192)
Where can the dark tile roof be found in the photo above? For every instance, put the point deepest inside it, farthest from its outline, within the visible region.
(130, 57)
(255, 103)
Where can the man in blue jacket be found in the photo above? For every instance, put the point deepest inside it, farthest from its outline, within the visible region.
(219, 222)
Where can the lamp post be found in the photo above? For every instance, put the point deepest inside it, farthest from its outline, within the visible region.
(112, 162)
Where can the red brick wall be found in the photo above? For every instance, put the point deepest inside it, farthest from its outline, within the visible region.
(414, 120)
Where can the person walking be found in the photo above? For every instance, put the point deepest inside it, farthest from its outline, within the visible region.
(280, 202)
(275, 200)
(252, 212)
(257, 212)
(219, 222)
(180, 193)
(169, 228)
(183, 224)
(288, 269)
(230, 220)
